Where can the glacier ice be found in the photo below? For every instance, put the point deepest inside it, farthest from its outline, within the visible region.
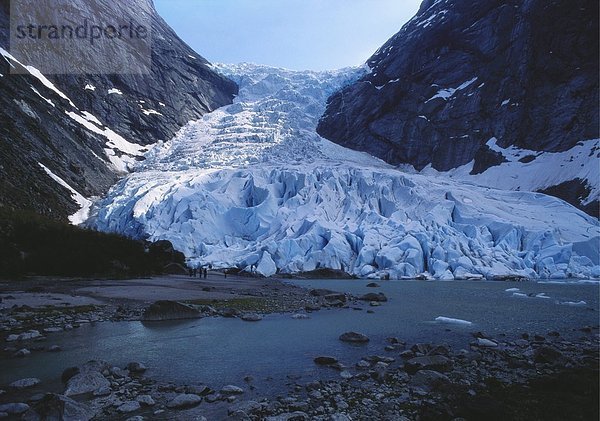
(252, 185)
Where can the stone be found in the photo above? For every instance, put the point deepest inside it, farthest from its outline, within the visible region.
(137, 368)
(87, 379)
(170, 310)
(373, 285)
(251, 317)
(53, 329)
(185, 400)
(354, 337)
(54, 348)
(21, 353)
(428, 362)
(547, 355)
(300, 317)
(145, 400)
(336, 297)
(428, 379)
(485, 343)
(25, 383)
(232, 390)
(14, 408)
(325, 360)
(376, 297)
(321, 292)
(127, 407)
(289, 416)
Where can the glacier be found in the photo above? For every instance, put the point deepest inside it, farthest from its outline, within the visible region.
(253, 186)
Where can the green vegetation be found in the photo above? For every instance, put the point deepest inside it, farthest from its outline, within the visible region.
(259, 305)
(31, 244)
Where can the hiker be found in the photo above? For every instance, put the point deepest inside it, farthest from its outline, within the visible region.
(195, 272)
(191, 271)
(205, 273)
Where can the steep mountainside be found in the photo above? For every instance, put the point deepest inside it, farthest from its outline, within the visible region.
(65, 138)
(252, 185)
(472, 85)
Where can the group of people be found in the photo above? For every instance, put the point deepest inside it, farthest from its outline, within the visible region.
(198, 273)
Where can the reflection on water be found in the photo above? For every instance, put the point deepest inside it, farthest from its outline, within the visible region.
(219, 351)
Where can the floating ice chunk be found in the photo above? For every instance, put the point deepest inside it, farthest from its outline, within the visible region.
(542, 295)
(520, 295)
(90, 87)
(512, 290)
(573, 303)
(450, 320)
(114, 91)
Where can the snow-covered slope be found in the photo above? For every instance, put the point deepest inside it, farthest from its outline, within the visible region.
(253, 184)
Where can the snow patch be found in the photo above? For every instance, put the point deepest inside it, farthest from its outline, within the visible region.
(85, 205)
(449, 92)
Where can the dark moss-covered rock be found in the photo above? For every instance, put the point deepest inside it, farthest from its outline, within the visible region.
(170, 310)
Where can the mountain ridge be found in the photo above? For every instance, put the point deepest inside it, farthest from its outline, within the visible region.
(462, 73)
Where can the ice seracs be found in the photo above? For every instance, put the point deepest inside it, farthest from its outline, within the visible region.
(253, 186)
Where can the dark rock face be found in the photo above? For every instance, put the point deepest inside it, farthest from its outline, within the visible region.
(460, 73)
(180, 87)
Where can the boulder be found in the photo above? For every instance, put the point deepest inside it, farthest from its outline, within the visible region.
(428, 379)
(185, 400)
(251, 317)
(354, 337)
(325, 360)
(170, 310)
(428, 362)
(372, 296)
(127, 407)
(14, 408)
(88, 379)
(135, 367)
(25, 383)
(232, 390)
(547, 355)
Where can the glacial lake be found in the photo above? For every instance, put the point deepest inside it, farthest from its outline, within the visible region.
(219, 351)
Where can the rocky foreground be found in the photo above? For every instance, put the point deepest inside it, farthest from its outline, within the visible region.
(547, 376)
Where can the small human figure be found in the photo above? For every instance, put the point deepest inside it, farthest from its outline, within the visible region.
(195, 272)
(225, 273)
(205, 273)
(191, 271)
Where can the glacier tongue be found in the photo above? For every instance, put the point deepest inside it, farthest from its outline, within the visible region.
(252, 185)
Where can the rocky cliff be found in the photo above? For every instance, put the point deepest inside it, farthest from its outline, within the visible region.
(480, 84)
(65, 138)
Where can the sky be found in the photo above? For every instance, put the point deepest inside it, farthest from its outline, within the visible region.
(294, 34)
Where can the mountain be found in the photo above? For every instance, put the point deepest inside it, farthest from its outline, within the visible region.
(253, 186)
(68, 137)
(499, 93)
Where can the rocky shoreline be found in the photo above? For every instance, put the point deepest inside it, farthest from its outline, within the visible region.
(543, 376)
